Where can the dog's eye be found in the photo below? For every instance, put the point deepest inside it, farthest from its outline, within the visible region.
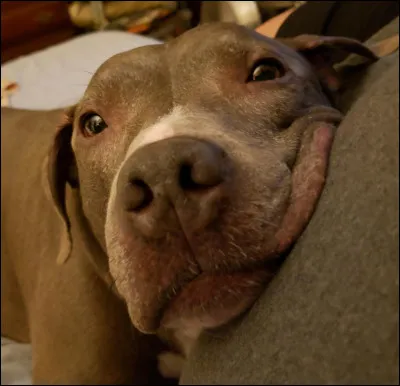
(267, 69)
(93, 124)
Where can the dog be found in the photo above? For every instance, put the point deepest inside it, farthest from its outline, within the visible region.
(164, 200)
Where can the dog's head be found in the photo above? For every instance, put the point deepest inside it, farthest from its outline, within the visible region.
(198, 162)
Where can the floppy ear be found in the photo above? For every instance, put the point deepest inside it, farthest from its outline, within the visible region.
(323, 52)
(60, 170)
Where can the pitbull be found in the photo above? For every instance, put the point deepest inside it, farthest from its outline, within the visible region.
(164, 200)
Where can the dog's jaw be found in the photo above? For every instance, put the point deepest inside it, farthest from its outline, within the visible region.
(223, 296)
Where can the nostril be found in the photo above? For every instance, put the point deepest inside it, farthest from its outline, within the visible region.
(199, 176)
(140, 195)
(185, 178)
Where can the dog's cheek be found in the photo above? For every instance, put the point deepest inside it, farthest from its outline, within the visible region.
(145, 273)
(308, 179)
(243, 236)
(97, 164)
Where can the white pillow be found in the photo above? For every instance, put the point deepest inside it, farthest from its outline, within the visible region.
(57, 76)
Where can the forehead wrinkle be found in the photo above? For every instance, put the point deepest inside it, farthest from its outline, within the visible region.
(126, 65)
(90, 99)
(223, 47)
(218, 36)
(119, 87)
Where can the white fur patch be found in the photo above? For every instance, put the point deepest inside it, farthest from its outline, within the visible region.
(164, 128)
(170, 364)
(16, 363)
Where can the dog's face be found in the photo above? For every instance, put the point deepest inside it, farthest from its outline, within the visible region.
(198, 163)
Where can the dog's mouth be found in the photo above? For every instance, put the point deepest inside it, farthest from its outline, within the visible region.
(195, 301)
(216, 277)
(210, 300)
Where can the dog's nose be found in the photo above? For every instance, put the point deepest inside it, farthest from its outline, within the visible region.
(173, 184)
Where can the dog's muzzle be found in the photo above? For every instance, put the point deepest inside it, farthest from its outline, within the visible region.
(172, 185)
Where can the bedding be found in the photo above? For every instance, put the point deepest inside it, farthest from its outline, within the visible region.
(57, 76)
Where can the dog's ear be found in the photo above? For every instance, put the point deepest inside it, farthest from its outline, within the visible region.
(323, 52)
(59, 170)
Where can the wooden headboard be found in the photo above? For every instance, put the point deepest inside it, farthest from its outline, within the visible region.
(27, 26)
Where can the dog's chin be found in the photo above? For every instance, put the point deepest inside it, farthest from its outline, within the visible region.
(208, 301)
(213, 300)
(185, 288)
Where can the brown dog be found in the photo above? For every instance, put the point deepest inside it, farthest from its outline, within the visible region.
(164, 198)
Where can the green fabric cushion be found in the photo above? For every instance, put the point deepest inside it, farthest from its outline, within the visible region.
(331, 315)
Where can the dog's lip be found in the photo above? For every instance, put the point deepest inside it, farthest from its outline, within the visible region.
(268, 266)
(173, 290)
(172, 316)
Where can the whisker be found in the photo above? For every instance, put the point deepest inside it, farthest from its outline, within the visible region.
(79, 85)
(259, 220)
(243, 253)
(272, 224)
(88, 72)
(77, 71)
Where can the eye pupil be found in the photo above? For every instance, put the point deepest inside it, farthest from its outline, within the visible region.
(94, 124)
(269, 70)
(264, 72)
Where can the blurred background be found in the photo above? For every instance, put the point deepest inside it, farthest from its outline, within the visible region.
(50, 49)
(28, 26)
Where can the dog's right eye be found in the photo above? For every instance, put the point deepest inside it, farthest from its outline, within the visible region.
(266, 69)
(93, 124)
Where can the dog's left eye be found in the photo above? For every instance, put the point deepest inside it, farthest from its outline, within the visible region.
(267, 69)
(93, 124)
